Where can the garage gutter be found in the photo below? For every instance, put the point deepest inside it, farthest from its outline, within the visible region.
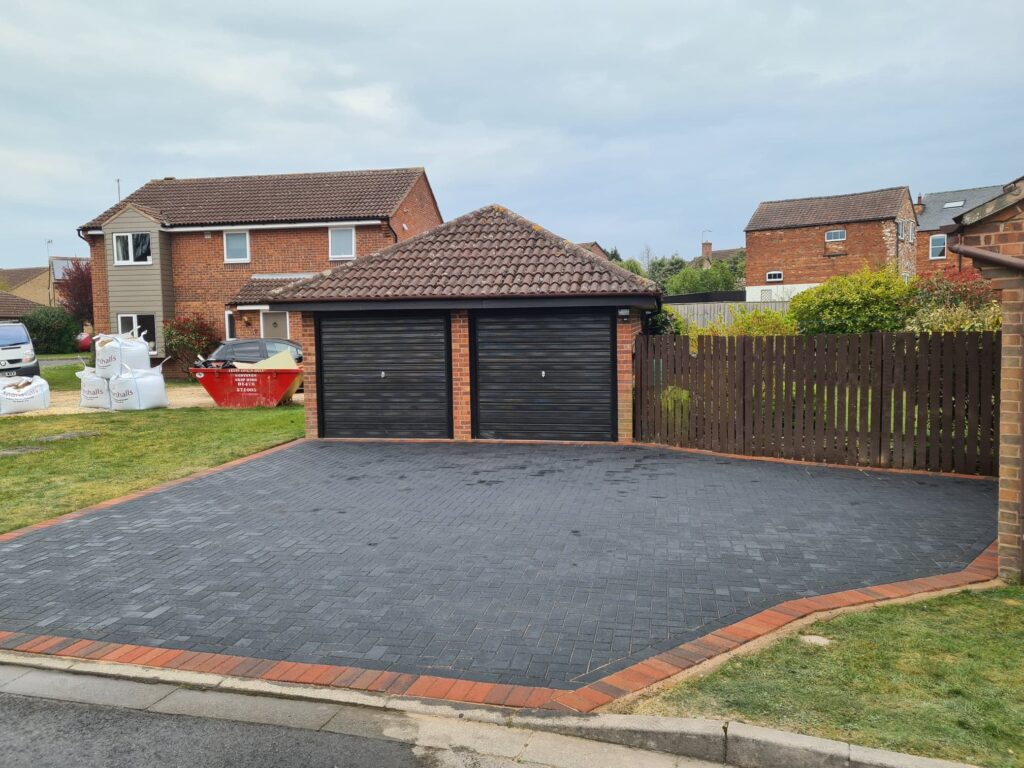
(988, 257)
(642, 302)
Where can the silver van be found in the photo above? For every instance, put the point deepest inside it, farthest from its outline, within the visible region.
(17, 355)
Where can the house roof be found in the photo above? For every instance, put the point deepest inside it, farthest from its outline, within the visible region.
(935, 215)
(491, 253)
(835, 209)
(13, 307)
(12, 278)
(274, 199)
(595, 248)
(721, 254)
(259, 288)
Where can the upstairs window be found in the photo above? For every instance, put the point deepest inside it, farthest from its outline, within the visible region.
(132, 249)
(835, 235)
(342, 243)
(774, 277)
(236, 247)
(937, 247)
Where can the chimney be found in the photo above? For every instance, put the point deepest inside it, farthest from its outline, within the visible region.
(705, 251)
(919, 205)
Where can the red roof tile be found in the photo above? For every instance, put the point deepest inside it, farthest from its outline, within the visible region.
(12, 278)
(836, 209)
(281, 198)
(489, 253)
(259, 288)
(14, 307)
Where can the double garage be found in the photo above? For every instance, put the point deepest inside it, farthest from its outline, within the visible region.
(534, 374)
(488, 327)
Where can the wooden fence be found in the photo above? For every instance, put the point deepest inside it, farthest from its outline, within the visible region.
(704, 313)
(928, 401)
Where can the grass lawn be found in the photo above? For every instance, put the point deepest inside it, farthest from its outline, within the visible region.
(942, 678)
(61, 378)
(134, 450)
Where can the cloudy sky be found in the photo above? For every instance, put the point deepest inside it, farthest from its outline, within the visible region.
(632, 123)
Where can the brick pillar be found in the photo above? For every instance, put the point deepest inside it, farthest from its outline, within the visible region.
(462, 411)
(626, 330)
(1011, 285)
(100, 289)
(308, 340)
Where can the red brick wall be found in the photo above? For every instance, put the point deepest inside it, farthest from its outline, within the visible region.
(418, 212)
(308, 341)
(462, 408)
(926, 266)
(100, 296)
(626, 331)
(1004, 233)
(247, 324)
(203, 283)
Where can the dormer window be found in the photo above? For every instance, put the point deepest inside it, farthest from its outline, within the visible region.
(132, 249)
(835, 235)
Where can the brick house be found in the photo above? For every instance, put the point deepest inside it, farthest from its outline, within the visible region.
(28, 283)
(992, 234)
(793, 245)
(215, 246)
(14, 307)
(709, 255)
(936, 211)
(488, 327)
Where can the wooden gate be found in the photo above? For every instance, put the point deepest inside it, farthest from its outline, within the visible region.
(903, 400)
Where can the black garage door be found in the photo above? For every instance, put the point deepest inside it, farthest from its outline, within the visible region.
(384, 375)
(544, 375)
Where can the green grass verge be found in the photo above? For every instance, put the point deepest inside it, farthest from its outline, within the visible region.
(942, 678)
(61, 378)
(134, 450)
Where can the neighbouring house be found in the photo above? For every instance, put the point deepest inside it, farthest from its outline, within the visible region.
(708, 255)
(30, 283)
(213, 246)
(793, 245)
(14, 307)
(595, 248)
(488, 326)
(937, 210)
(993, 235)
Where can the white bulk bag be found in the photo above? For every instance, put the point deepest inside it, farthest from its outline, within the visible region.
(21, 394)
(138, 389)
(95, 390)
(114, 350)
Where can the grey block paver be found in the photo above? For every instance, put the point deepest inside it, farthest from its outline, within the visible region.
(527, 564)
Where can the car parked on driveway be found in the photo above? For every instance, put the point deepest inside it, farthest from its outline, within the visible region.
(249, 351)
(17, 354)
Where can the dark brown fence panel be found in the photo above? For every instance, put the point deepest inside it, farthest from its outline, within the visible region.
(901, 400)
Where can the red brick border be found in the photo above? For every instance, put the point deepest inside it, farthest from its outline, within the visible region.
(584, 699)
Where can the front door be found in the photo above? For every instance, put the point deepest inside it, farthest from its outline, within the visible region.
(274, 325)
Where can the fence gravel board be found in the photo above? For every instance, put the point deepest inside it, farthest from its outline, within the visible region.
(928, 401)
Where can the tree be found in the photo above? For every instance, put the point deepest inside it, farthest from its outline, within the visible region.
(75, 290)
(614, 255)
(53, 329)
(661, 269)
(859, 303)
(635, 267)
(665, 320)
(720, 276)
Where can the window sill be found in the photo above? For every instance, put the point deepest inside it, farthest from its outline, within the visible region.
(133, 263)
(237, 261)
(936, 258)
(341, 258)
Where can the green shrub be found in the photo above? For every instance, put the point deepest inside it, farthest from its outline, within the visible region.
(666, 320)
(754, 322)
(720, 276)
(938, 319)
(189, 337)
(859, 303)
(955, 289)
(674, 399)
(52, 329)
(634, 266)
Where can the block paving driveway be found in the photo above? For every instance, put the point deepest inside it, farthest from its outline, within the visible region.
(524, 564)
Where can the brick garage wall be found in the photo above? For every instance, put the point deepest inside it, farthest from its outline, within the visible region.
(247, 324)
(462, 407)
(626, 331)
(1004, 233)
(305, 321)
(418, 212)
(804, 257)
(100, 296)
(203, 283)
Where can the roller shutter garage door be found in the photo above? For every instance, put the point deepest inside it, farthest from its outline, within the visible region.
(384, 375)
(544, 375)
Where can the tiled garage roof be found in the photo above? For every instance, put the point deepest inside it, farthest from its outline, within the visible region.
(293, 197)
(835, 209)
(489, 253)
(14, 307)
(259, 287)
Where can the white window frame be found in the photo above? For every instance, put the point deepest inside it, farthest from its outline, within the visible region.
(769, 279)
(332, 257)
(835, 239)
(248, 255)
(287, 322)
(135, 324)
(131, 249)
(227, 325)
(900, 230)
(931, 246)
